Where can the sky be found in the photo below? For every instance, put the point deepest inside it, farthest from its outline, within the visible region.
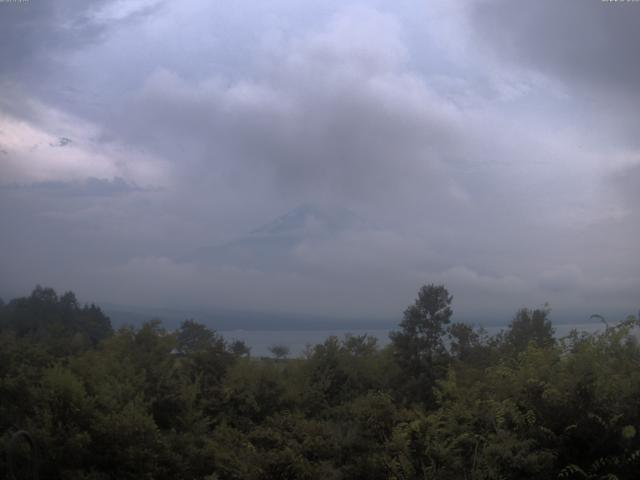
(323, 157)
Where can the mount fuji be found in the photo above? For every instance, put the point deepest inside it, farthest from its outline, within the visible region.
(271, 247)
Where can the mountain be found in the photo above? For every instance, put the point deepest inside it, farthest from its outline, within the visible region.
(271, 246)
(308, 220)
(230, 319)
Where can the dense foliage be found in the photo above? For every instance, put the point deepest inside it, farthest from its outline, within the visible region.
(442, 400)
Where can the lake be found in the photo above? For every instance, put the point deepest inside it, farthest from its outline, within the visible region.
(297, 340)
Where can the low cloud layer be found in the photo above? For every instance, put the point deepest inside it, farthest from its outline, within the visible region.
(461, 139)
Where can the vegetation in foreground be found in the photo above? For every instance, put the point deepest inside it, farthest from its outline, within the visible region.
(442, 401)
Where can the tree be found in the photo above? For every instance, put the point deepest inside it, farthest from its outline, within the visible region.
(195, 337)
(419, 346)
(468, 344)
(279, 351)
(530, 326)
(56, 320)
(239, 348)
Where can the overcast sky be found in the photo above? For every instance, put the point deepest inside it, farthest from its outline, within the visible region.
(489, 145)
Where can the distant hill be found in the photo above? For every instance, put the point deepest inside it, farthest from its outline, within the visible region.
(226, 319)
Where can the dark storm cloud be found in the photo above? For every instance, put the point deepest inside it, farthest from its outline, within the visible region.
(582, 41)
(32, 32)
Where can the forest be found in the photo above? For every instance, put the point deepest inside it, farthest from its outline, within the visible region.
(442, 400)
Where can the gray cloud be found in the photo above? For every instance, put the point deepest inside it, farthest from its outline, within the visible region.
(588, 46)
(38, 31)
(626, 182)
(88, 187)
(467, 166)
(39, 40)
(583, 42)
(31, 31)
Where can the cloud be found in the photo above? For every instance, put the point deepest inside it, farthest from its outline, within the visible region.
(462, 135)
(52, 145)
(336, 114)
(463, 277)
(588, 46)
(339, 114)
(562, 278)
(626, 182)
(80, 188)
(33, 34)
(581, 42)
(29, 30)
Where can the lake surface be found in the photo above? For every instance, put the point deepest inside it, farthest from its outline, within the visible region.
(297, 340)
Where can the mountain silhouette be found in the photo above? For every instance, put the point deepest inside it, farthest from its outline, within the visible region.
(271, 246)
